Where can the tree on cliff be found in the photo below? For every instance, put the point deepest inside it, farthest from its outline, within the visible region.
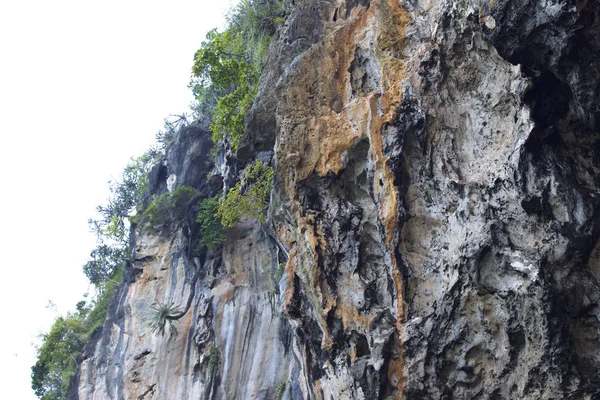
(228, 65)
(227, 70)
(61, 346)
(112, 228)
(57, 357)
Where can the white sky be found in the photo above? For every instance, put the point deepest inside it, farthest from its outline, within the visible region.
(83, 87)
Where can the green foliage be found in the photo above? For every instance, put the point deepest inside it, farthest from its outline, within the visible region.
(168, 208)
(98, 311)
(227, 68)
(220, 60)
(280, 391)
(155, 212)
(206, 98)
(230, 113)
(249, 197)
(112, 228)
(211, 231)
(126, 194)
(228, 65)
(57, 356)
(213, 358)
(181, 197)
(220, 64)
(166, 137)
(257, 20)
(279, 271)
(105, 260)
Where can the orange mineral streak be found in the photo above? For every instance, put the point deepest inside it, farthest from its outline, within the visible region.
(320, 119)
(306, 225)
(396, 375)
(351, 317)
(390, 42)
(319, 389)
(352, 353)
(183, 329)
(290, 268)
(315, 116)
(322, 295)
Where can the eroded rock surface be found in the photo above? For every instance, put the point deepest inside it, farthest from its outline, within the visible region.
(232, 343)
(435, 205)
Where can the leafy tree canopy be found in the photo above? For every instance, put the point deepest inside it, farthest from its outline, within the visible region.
(212, 232)
(112, 228)
(57, 357)
(228, 65)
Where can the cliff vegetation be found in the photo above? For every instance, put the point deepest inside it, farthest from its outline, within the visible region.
(226, 71)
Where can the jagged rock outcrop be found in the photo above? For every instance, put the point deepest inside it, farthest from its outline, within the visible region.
(436, 205)
(232, 343)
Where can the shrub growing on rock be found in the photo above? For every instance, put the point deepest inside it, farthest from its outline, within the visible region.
(249, 197)
(168, 208)
(211, 232)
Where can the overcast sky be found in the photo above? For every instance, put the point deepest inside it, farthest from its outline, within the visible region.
(84, 86)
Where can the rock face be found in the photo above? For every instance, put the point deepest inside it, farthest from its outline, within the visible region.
(232, 343)
(436, 207)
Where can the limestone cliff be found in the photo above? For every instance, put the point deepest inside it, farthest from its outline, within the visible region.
(436, 206)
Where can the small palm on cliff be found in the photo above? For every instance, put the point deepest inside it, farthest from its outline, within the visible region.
(162, 322)
(164, 315)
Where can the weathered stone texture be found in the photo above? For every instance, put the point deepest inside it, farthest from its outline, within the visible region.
(436, 206)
